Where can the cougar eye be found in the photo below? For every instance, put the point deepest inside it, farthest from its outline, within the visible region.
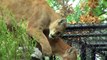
(58, 33)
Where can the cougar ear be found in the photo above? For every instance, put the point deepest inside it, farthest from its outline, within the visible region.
(62, 21)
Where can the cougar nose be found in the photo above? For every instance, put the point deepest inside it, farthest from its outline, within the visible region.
(51, 36)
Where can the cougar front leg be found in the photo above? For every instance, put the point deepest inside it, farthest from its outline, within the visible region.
(41, 39)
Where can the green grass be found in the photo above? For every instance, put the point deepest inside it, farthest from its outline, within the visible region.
(10, 41)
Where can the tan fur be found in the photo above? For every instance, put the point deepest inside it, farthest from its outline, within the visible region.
(59, 47)
(39, 16)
